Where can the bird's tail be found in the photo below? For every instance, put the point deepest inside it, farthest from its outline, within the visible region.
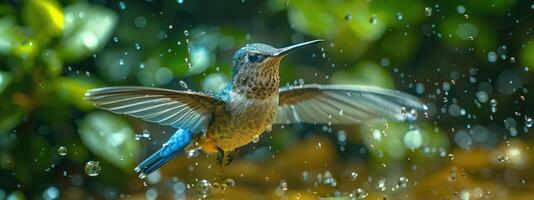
(171, 148)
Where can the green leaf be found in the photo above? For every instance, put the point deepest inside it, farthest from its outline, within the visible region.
(362, 24)
(328, 19)
(53, 62)
(73, 90)
(87, 29)
(313, 18)
(397, 13)
(10, 116)
(13, 40)
(462, 32)
(9, 36)
(4, 81)
(45, 17)
(109, 137)
(365, 73)
(527, 54)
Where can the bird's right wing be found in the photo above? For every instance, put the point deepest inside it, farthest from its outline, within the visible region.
(343, 104)
(179, 109)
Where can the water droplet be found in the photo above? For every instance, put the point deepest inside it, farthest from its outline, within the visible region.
(360, 193)
(328, 179)
(305, 175)
(50, 193)
(216, 185)
(203, 188)
(403, 111)
(140, 22)
(269, 129)
(403, 181)
(283, 185)
(186, 33)
(451, 156)
(191, 153)
(87, 73)
(372, 19)
(482, 96)
(183, 84)
(353, 176)
(151, 194)
(342, 137)
(92, 168)
(399, 16)
(492, 57)
(230, 182)
(493, 104)
(144, 135)
(413, 139)
(381, 184)
(501, 158)
(256, 139)
(348, 16)
(163, 75)
(529, 122)
(428, 11)
(62, 151)
(180, 1)
(411, 115)
(460, 9)
(377, 135)
(122, 5)
(223, 186)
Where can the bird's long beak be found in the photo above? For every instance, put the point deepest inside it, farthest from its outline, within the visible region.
(284, 51)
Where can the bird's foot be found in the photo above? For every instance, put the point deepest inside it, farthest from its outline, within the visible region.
(228, 157)
(220, 156)
(231, 156)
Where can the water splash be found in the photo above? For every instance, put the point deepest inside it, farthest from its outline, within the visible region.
(92, 168)
(62, 151)
(428, 11)
(203, 188)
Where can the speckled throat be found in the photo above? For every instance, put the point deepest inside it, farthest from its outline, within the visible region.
(258, 82)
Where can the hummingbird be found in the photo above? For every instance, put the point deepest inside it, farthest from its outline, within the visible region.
(220, 123)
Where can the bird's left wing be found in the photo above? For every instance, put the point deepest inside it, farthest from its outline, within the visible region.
(179, 109)
(342, 104)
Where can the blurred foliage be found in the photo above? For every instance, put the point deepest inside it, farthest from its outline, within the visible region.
(471, 61)
(110, 137)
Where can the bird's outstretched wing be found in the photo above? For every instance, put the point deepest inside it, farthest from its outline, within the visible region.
(342, 104)
(179, 109)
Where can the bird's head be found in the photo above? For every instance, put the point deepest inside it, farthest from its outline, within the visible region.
(258, 55)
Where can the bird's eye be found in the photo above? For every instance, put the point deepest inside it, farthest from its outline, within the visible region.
(255, 58)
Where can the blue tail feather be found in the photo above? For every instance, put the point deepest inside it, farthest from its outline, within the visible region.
(178, 141)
